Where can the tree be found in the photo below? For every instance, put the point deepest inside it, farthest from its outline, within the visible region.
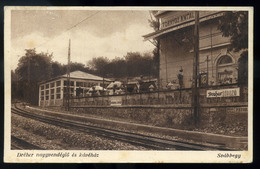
(32, 68)
(57, 69)
(98, 64)
(235, 26)
(154, 23)
(243, 68)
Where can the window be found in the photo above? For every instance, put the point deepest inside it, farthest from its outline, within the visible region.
(46, 97)
(52, 91)
(47, 86)
(52, 97)
(42, 93)
(71, 83)
(225, 70)
(42, 98)
(58, 90)
(71, 90)
(47, 92)
(58, 83)
(224, 60)
(57, 96)
(42, 87)
(79, 84)
(65, 89)
(52, 85)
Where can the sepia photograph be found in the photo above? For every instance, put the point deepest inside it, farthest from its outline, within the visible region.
(128, 84)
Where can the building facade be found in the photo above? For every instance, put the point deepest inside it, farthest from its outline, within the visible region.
(53, 92)
(216, 65)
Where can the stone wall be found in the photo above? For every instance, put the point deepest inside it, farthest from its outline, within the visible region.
(173, 109)
(212, 120)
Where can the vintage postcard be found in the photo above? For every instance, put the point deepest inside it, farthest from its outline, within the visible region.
(128, 84)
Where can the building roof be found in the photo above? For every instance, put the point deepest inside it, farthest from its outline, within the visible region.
(79, 75)
(206, 15)
(84, 75)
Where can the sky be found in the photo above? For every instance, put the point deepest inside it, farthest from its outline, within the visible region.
(102, 33)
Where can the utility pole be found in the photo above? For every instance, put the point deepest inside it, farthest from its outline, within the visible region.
(103, 86)
(195, 71)
(29, 79)
(68, 79)
(207, 70)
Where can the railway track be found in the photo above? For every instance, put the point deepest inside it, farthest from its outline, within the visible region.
(20, 144)
(149, 142)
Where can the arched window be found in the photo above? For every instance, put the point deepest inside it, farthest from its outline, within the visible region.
(225, 70)
(224, 60)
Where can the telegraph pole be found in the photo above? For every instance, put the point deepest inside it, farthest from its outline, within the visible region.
(68, 79)
(29, 79)
(195, 71)
(207, 70)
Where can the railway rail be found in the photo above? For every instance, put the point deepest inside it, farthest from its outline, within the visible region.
(20, 144)
(149, 142)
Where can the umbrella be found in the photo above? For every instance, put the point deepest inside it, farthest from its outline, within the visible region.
(117, 84)
(96, 88)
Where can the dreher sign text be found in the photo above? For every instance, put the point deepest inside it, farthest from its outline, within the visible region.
(233, 92)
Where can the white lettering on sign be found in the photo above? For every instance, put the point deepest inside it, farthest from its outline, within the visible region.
(116, 102)
(182, 20)
(237, 109)
(178, 19)
(233, 92)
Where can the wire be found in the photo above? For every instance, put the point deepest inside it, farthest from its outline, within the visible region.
(68, 29)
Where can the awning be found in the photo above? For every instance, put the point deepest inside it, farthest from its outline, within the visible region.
(157, 34)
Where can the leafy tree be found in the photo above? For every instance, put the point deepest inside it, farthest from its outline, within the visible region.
(138, 64)
(74, 66)
(154, 23)
(15, 86)
(235, 25)
(117, 68)
(131, 65)
(57, 69)
(243, 68)
(98, 64)
(32, 68)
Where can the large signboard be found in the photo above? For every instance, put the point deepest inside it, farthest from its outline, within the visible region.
(237, 109)
(184, 18)
(116, 101)
(233, 92)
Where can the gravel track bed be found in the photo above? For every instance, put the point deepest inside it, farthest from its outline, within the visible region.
(147, 133)
(56, 138)
(219, 129)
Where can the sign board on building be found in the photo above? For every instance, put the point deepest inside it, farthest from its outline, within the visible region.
(175, 20)
(237, 109)
(232, 92)
(116, 101)
(184, 17)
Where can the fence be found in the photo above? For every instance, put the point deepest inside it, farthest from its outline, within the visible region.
(165, 97)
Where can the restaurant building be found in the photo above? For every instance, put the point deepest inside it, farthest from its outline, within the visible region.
(216, 65)
(53, 91)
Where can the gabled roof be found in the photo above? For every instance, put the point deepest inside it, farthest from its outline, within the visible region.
(84, 75)
(78, 75)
